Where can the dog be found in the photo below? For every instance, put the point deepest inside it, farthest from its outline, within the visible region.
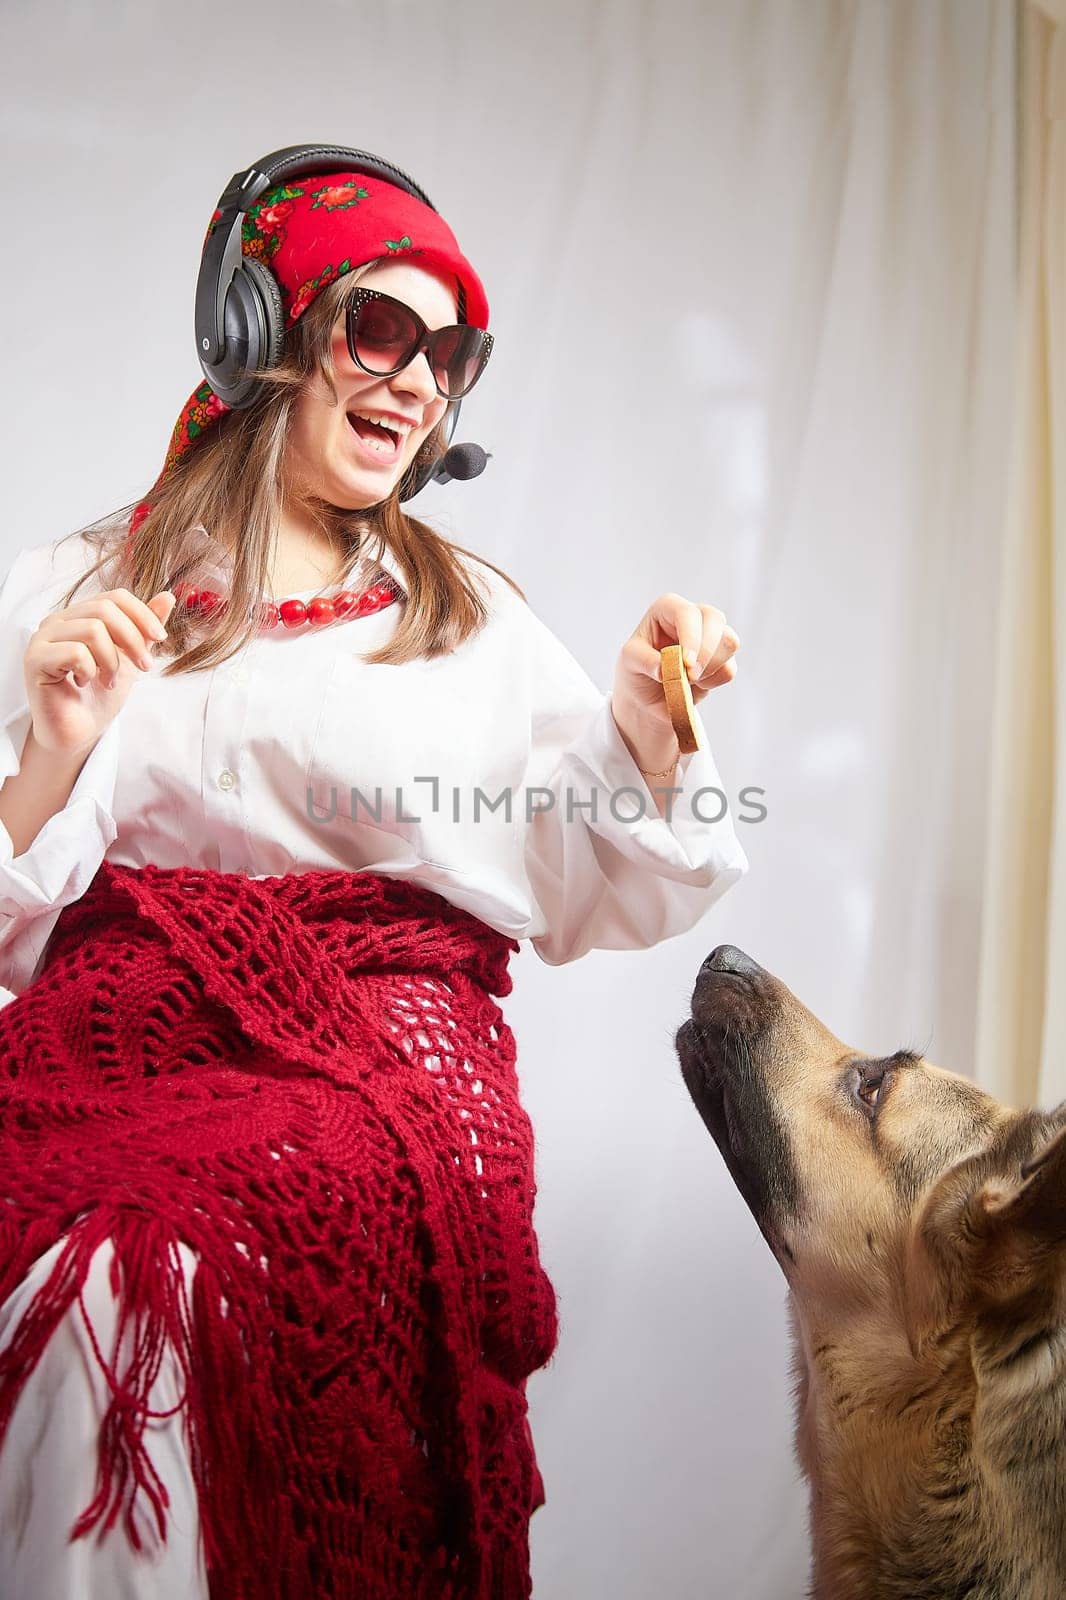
(921, 1228)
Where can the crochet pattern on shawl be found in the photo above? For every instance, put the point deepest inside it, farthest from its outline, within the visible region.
(306, 1080)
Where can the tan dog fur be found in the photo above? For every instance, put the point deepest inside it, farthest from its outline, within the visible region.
(921, 1227)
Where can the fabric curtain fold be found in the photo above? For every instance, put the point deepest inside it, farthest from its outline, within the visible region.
(1021, 1014)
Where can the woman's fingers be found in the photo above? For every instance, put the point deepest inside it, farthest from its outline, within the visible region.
(130, 620)
(708, 669)
(719, 642)
(643, 657)
(86, 659)
(724, 674)
(86, 647)
(90, 637)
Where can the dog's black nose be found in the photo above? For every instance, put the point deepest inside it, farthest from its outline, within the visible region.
(727, 958)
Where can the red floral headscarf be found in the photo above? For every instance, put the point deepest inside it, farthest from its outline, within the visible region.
(309, 232)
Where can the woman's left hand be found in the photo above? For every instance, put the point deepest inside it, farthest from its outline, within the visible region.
(708, 645)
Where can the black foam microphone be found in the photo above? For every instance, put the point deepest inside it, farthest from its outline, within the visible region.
(461, 461)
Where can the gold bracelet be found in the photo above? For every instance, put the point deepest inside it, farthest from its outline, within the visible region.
(666, 770)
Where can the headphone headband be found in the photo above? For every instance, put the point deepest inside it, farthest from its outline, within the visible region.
(222, 256)
(295, 160)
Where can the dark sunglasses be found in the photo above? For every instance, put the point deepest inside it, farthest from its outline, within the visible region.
(384, 335)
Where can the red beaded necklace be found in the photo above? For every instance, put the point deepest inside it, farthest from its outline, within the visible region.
(295, 613)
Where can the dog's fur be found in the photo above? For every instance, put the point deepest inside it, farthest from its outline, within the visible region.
(921, 1228)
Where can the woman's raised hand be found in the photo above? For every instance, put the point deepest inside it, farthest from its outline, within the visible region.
(708, 644)
(81, 661)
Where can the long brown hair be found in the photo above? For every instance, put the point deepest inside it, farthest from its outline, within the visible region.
(231, 484)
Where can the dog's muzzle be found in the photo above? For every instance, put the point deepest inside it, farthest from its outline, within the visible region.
(728, 958)
(720, 1048)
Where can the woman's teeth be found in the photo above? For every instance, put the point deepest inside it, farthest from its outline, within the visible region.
(382, 420)
(384, 447)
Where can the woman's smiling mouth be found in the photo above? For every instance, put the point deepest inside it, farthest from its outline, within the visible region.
(380, 439)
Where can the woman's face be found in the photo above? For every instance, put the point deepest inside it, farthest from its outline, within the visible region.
(325, 454)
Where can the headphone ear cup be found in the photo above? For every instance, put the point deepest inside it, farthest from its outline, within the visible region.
(254, 325)
(267, 284)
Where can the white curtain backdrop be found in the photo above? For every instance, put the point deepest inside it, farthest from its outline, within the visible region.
(751, 268)
(1021, 1014)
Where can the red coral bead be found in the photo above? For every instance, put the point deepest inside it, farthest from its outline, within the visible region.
(321, 611)
(140, 512)
(293, 613)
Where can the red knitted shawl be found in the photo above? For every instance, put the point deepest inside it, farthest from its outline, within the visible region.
(306, 1080)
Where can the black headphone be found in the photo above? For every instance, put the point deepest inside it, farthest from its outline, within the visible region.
(240, 320)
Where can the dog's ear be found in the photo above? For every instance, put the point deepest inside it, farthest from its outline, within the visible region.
(936, 1269)
(1020, 1220)
(983, 1238)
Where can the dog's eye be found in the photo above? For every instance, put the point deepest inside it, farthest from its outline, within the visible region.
(871, 1081)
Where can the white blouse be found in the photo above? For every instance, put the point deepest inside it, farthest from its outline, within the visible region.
(295, 755)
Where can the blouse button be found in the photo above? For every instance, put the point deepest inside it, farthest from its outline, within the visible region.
(226, 780)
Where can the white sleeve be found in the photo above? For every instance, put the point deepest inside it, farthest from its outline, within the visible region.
(605, 876)
(58, 865)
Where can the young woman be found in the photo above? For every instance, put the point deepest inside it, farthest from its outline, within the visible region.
(269, 1284)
